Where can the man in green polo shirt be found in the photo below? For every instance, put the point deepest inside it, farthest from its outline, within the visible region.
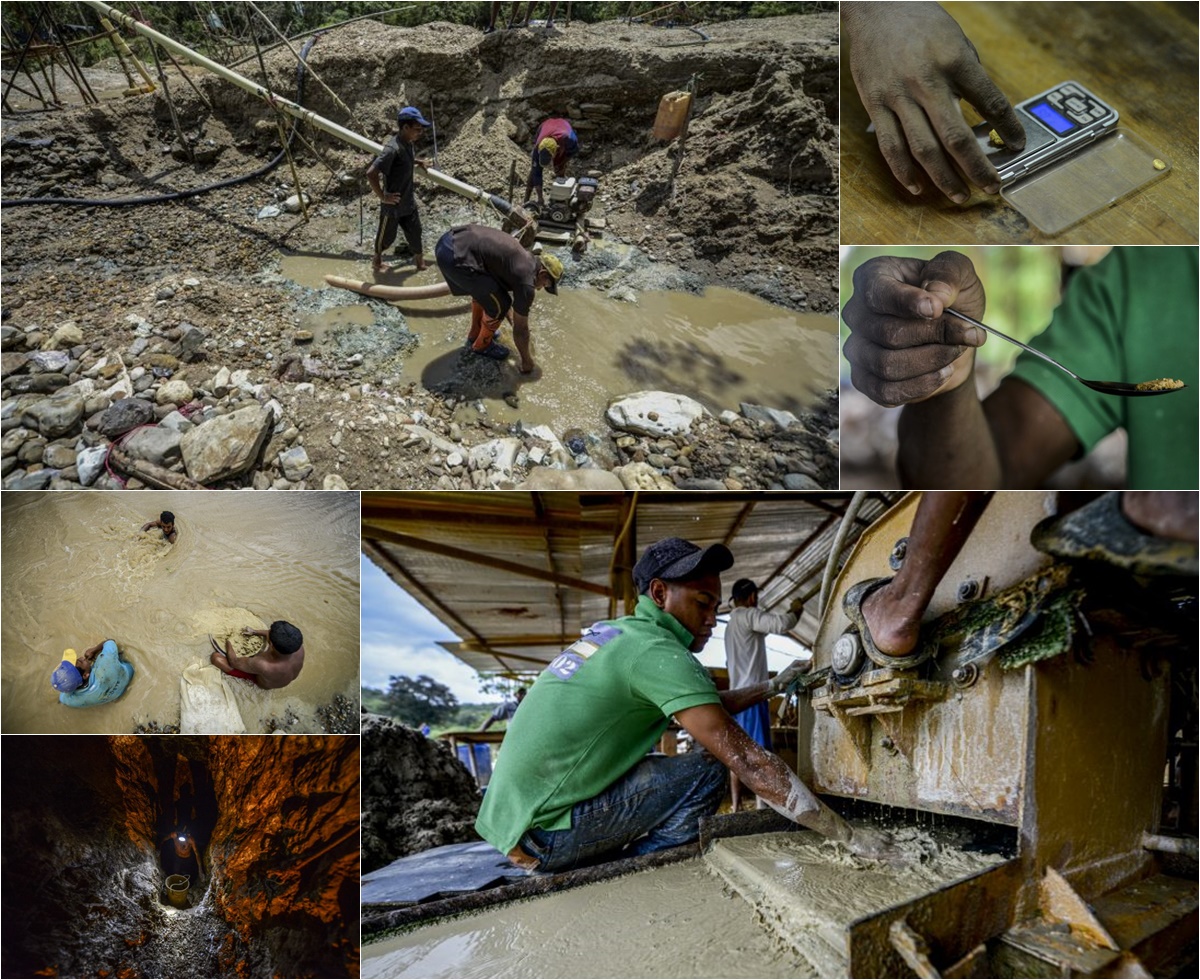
(573, 783)
(1131, 317)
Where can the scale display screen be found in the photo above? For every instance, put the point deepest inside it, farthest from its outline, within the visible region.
(1047, 114)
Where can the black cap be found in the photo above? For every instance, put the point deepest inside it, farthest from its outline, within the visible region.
(674, 559)
(743, 588)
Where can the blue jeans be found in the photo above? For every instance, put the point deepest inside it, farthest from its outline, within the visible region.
(657, 804)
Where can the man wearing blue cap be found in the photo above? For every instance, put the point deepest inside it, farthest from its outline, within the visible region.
(574, 784)
(391, 179)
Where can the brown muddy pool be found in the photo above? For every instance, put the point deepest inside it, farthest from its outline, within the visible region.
(721, 348)
(77, 571)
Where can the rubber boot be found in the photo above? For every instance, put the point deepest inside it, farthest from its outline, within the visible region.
(476, 324)
(487, 330)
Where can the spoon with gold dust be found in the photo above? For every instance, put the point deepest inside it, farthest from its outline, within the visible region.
(1160, 386)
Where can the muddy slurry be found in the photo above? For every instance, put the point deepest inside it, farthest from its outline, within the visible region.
(194, 320)
(77, 570)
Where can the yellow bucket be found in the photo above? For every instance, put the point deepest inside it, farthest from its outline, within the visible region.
(672, 113)
(177, 890)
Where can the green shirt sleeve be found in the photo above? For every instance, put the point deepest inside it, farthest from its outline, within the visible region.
(671, 679)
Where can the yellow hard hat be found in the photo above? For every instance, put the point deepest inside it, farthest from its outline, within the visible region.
(553, 266)
(69, 655)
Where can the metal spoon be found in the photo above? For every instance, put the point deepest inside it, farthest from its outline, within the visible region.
(1125, 388)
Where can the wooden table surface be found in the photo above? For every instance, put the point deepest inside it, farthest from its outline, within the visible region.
(1139, 57)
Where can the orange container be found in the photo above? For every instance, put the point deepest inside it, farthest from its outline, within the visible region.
(672, 114)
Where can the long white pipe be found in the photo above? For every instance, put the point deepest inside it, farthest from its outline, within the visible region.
(291, 108)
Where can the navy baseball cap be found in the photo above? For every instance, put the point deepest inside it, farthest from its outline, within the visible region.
(411, 114)
(674, 559)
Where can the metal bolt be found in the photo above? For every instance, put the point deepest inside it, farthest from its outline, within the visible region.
(964, 675)
(899, 550)
(968, 589)
(888, 745)
(847, 653)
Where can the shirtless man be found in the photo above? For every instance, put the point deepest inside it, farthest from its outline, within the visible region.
(185, 851)
(277, 666)
(166, 522)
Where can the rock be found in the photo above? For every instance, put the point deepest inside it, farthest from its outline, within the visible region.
(544, 478)
(123, 415)
(154, 444)
(11, 361)
(302, 337)
(760, 413)
(49, 361)
(454, 459)
(58, 456)
(642, 476)
(496, 455)
(292, 204)
(220, 383)
(13, 440)
(191, 339)
(672, 413)
(31, 451)
(31, 481)
(333, 481)
(176, 422)
(226, 446)
(39, 384)
(800, 481)
(90, 463)
(173, 392)
(295, 464)
(699, 483)
(622, 294)
(68, 335)
(57, 415)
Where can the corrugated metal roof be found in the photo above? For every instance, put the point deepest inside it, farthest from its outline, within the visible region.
(517, 575)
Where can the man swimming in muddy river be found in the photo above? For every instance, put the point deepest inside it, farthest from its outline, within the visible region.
(574, 784)
(165, 522)
(277, 666)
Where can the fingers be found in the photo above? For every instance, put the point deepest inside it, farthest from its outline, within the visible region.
(953, 142)
(890, 135)
(979, 90)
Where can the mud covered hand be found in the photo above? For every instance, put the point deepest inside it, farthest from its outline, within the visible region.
(780, 681)
(912, 64)
(902, 348)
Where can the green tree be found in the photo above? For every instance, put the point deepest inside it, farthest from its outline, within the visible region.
(416, 701)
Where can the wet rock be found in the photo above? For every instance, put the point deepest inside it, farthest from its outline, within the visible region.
(57, 415)
(173, 392)
(123, 415)
(226, 446)
(295, 464)
(155, 444)
(672, 413)
(35, 384)
(12, 361)
(49, 361)
(700, 483)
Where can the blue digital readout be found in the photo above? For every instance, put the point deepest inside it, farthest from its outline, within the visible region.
(1055, 120)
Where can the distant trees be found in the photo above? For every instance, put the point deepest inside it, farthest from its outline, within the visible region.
(419, 700)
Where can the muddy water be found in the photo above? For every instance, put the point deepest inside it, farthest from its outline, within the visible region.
(721, 348)
(77, 570)
(675, 921)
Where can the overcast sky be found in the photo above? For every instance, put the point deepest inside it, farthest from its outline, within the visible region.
(399, 636)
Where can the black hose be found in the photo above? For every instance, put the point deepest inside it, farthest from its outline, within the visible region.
(129, 202)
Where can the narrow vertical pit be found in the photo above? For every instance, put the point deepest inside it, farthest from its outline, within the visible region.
(90, 829)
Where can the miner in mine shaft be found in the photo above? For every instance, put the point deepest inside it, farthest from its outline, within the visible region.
(574, 783)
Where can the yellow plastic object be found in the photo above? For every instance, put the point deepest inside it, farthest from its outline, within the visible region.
(177, 890)
(672, 114)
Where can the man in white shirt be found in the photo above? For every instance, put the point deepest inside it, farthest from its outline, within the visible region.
(746, 660)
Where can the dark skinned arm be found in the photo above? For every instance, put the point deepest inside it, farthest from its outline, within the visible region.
(520, 328)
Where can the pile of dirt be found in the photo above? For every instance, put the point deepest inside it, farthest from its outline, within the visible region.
(105, 306)
(415, 793)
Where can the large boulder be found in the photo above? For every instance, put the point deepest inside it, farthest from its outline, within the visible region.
(653, 413)
(154, 444)
(227, 446)
(642, 476)
(57, 415)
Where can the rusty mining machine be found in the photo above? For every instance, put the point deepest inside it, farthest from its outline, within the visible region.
(1059, 709)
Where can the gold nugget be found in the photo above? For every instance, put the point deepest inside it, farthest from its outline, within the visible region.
(1160, 165)
(995, 139)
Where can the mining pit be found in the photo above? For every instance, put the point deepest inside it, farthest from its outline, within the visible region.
(188, 308)
(275, 822)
